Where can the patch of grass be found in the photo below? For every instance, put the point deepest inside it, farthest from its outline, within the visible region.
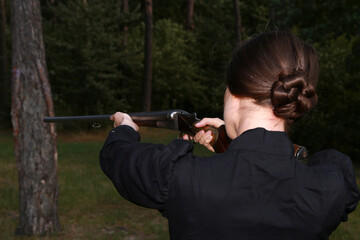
(89, 206)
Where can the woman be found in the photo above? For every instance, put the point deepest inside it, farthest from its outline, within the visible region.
(256, 189)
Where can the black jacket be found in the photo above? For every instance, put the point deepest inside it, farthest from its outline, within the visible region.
(254, 190)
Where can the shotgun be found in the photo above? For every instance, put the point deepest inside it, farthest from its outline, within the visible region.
(178, 120)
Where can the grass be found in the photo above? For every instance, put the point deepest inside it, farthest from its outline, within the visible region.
(89, 206)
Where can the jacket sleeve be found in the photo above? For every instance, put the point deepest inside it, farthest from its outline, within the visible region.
(141, 171)
(343, 162)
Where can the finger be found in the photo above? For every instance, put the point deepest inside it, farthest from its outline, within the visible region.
(119, 115)
(126, 117)
(201, 123)
(199, 135)
(118, 118)
(202, 139)
(216, 122)
(187, 137)
(206, 138)
(210, 148)
(127, 120)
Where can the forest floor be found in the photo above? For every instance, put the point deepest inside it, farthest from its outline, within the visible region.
(89, 206)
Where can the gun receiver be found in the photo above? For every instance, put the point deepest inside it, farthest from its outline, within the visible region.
(177, 119)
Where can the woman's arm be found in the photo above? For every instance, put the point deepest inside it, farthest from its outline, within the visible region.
(141, 171)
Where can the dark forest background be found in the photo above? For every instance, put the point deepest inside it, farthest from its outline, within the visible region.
(95, 58)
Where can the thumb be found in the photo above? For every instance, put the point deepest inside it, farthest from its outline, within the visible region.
(216, 122)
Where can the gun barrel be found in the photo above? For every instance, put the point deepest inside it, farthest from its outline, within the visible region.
(77, 118)
(136, 116)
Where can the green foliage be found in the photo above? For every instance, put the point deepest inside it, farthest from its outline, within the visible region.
(215, 41)
(86, 57)
(177, 74)
(176, 10)
(255, 16)
(317, 21)
(338, 107)
(93, 71)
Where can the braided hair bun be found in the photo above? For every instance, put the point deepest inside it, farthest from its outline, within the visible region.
(278, 70)
(291, 95)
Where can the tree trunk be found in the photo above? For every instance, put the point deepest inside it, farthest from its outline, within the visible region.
(35, 143)
(126, 11)
(237, 20)
(4, 69)
(147, 84)
(190, 15)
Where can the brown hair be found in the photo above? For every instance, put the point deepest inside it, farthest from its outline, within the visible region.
(276, 69)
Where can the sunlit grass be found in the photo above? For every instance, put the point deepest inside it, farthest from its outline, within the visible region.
(89, 206)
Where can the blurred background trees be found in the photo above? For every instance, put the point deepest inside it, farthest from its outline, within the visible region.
(95, 57)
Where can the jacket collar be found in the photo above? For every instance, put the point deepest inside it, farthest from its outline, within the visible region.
(261, 140)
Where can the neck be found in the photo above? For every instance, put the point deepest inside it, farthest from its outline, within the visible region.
(255, 116)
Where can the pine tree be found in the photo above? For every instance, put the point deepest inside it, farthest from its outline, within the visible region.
(35, 144)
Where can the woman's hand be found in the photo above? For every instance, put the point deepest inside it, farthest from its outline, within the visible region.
(120, 118)
(202, 137)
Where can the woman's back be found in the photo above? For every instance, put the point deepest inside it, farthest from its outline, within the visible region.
(255, 190)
